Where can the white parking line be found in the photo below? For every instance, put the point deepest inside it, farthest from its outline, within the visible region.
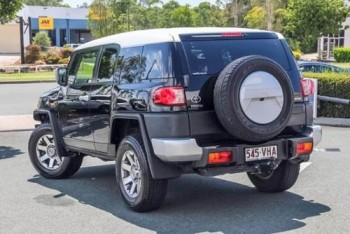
(304, 165)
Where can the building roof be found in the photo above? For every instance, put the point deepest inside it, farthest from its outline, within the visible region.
(54, 12)
(151, 36)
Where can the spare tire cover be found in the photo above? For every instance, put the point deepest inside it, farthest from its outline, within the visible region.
(253, 98)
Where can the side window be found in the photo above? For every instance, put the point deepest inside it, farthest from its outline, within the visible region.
(83, 67)
(107, 65)
(158, 61)
(129, 65)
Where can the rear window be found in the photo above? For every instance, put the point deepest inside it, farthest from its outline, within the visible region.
(209, 57)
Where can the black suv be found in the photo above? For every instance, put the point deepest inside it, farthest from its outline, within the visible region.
(165, 102)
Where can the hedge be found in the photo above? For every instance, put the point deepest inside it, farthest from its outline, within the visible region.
(342, 54)
(332, 85)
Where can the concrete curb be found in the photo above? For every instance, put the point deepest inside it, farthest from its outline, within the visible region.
(333, 122)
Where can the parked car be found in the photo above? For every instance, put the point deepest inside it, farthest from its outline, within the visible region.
(208, 101)
(73, 45)
(318, 67)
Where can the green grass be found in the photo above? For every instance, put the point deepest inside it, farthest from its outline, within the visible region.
(27, 77)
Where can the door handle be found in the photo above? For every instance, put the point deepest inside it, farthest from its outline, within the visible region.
(84, 98)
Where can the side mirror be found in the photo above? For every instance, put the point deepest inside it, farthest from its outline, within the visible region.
(61, 76)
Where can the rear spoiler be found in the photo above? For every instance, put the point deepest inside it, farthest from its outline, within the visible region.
(229, 36)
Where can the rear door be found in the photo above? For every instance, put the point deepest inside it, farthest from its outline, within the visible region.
(101, 92)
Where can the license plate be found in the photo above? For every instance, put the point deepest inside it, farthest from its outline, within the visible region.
(260, 153)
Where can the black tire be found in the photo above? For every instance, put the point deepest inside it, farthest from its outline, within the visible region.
(281, 179)
(152, 192)
(227, 103)
(69, 165)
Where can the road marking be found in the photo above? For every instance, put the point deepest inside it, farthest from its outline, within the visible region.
(304, 165)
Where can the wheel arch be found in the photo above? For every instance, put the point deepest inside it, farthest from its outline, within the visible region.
(123, 124)
(48, 116)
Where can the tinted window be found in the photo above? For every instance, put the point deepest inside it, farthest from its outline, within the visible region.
(158, 61)
(83, 67)
(106, 69)
(211, 56)
(129, 66)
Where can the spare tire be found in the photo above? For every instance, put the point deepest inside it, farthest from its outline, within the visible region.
(253, 98)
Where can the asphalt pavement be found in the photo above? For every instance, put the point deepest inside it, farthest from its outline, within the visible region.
(89, 202)
(21, 99)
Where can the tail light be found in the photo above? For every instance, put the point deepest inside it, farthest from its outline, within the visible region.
(169, 96)
(219, 157)
(304, 148)
(307, 87)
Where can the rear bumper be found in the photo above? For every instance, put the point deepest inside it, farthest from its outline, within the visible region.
(187, 149)
(315, 132)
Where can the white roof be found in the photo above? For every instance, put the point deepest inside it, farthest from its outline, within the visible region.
(54, 12)
(152, 36)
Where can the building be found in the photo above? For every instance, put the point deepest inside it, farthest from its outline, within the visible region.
(64, 26)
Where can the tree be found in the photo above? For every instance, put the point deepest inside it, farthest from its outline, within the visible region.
(108, 17)
(210, 15)
(42, 39)
(267, 11)
(58, 3)
(306, 20)
(256, 18)
(237, 10)
(8, 10)
(83, 5)
(183, 16)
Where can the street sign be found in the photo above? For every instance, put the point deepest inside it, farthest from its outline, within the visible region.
(46, 23)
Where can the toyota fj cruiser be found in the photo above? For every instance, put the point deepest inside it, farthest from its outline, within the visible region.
(165, 102)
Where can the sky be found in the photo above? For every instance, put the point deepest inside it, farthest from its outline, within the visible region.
(74, 3)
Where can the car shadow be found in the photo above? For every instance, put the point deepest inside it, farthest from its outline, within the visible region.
(193, 204)
(9, 152)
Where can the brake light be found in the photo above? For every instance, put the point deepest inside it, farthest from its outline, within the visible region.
(304, 148)
(219, 157)
(307, 87)
(169, 96)
(231, 34)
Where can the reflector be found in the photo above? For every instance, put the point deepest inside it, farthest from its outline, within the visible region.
(219, 157)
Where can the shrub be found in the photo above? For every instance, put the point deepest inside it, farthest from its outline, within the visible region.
(66, 52)
(297, 54)
(63, 61)
(52, 57)
(332, 85)
(342, 54)
(33, 53)
(42, 39)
